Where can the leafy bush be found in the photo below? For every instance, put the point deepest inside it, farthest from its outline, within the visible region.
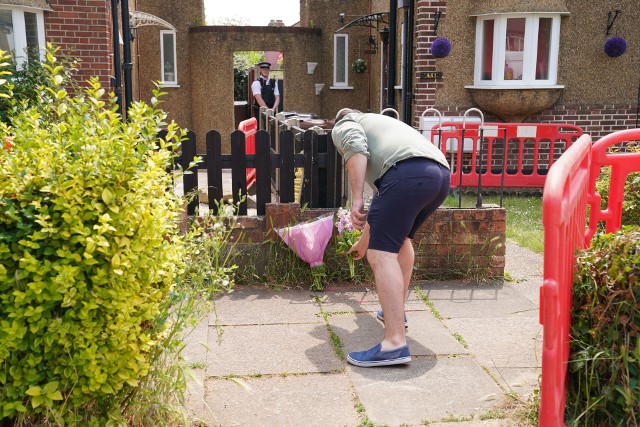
(604, 367)
(631, 203)
(90, 253)
(26, 83)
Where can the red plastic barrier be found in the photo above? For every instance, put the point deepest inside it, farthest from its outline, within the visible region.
(570, 187)
(249, 127)
(564, 203)
(531, 151)
(622, 164)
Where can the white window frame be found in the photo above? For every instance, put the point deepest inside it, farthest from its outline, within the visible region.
(345, 60)
(20, 33)
(528, 80)
(164, 82)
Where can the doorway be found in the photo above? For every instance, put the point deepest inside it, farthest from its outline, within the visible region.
(245, 72)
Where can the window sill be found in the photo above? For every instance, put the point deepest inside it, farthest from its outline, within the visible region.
(169, 85)
(341, 87)
(511, 87)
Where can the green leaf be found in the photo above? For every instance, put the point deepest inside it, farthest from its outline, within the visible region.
(107, 196)
(34, 391)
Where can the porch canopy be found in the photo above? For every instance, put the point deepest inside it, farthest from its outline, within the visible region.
(36, 4)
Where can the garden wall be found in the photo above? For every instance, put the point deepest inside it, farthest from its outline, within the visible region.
(453, 243)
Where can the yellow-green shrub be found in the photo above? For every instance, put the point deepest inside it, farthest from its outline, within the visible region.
(89, 251)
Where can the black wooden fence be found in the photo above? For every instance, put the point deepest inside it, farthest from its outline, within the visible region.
(322, 184)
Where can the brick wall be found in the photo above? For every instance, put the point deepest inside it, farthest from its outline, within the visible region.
(452, 243)
(82, 28)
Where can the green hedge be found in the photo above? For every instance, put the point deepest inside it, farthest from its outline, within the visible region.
(604, 367)
(631, 202)
(89, 252)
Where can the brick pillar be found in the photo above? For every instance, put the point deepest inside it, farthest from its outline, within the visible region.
(280, 215)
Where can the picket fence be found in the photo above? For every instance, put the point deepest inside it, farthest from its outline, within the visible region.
(322, 182)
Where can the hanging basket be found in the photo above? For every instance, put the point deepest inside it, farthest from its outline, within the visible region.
(615, 46)
(359, 66)
(441, 47)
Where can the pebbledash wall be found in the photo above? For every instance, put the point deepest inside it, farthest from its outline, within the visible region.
(600, 93)
(82, 29)
(451, 243)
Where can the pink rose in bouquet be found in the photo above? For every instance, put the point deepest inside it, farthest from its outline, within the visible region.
(347, 237)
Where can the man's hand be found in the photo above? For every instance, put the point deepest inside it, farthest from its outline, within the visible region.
(360, 247)
(358, 218)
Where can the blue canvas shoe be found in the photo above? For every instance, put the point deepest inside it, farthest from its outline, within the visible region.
(380, 316)
(376, 357)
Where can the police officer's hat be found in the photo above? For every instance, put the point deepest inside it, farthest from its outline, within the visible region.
(264, 64)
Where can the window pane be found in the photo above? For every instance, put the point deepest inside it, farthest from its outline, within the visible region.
(487, 49)
(544, 49)
(341, 52)
(6, 31)
(514, 49)
(169, 59)
(31, 25)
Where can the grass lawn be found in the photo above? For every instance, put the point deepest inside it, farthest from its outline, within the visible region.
(524, 216)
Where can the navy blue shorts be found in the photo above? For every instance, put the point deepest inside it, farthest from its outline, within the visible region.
(408, 193)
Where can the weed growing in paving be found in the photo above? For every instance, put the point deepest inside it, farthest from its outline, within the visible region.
(428, 302)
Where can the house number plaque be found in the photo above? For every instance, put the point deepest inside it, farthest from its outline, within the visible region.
(431, 74)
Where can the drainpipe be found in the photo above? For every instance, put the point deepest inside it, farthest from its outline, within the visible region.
(117, 76)
(407, 65)
(393, 45)
(126, 51)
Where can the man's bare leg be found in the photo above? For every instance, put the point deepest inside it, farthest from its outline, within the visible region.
(406, 258)
(390, 284)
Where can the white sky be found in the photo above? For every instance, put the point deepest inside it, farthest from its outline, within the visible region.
(255, 12)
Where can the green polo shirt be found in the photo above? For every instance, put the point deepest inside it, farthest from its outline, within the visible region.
(384, 140)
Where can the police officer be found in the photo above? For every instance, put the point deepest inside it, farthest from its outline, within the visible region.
(265, 90)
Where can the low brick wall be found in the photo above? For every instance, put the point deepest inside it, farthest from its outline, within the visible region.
(452, 243)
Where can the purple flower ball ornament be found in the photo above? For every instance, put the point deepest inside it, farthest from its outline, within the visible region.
(441, 47)
(615, 46)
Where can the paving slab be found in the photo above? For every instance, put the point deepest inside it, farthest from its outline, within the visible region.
(522, 381)
(427, 336)
(264, 306)
(514, 342)
(478, 300)
(363, 300)
(522, 263)
(196, 342)
(526, 268)
(271, 349)
(475, 423)
(427, 389)
(194, 398)
(303, 400)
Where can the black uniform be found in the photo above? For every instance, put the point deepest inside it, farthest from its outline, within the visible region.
(267, 90)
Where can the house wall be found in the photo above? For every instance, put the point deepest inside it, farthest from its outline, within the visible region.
(211, 58)
(82, 29)
(364, 89)
(600, 93)
(178, 101)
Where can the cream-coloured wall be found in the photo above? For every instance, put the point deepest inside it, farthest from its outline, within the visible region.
(588, 74)
(212, 71)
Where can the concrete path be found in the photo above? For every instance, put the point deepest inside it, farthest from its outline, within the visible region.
(276, 358)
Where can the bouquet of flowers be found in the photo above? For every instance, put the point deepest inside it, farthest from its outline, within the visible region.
(347, 237)
(309, 241)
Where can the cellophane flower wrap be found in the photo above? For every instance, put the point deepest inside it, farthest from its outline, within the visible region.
(309, 241)
(346, 238)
